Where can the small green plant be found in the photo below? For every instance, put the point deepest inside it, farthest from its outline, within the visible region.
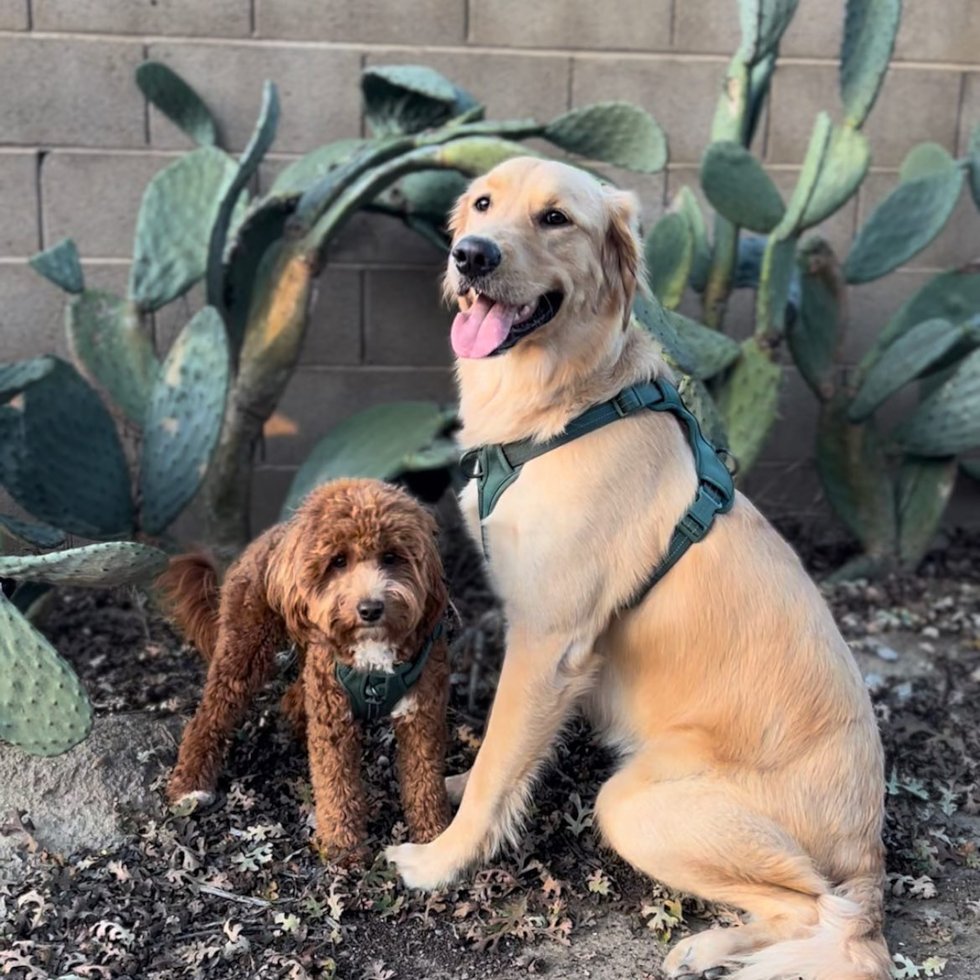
(890, 491)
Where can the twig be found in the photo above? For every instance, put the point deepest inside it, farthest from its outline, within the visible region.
(232, 897)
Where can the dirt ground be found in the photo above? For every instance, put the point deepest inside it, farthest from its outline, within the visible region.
(236, 892)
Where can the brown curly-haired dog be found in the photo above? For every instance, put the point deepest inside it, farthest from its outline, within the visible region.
(353, 578)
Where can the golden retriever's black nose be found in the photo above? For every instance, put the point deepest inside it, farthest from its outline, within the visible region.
(370, 610)
(476, 256)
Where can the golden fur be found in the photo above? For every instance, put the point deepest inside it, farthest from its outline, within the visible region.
(752, 769)
(301, 582)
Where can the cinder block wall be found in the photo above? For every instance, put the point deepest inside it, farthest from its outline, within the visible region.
(78, 144)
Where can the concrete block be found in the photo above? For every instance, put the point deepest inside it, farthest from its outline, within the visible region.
(914, 106)
(680, 95)
(13, 15)
(405, 321)
(318, 89)
(945, 31)
(334, 333)
(70, 92)
(270, 484)
(635, 25)
(815, 32)
(95, 198)
(190, 18)
(790, 490)
(18, 204)
(512, 86)
(957, 244)
(368, 21)
(318, 398)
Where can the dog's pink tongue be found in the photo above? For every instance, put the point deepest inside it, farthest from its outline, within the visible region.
(483, 329)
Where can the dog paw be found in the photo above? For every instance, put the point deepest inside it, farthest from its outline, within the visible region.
(419, 866)
(187, 803)
(701, 955)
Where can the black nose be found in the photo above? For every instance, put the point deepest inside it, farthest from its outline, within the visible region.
(476, 256)
(370, 610)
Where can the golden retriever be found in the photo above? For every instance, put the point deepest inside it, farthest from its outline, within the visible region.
(752, 770)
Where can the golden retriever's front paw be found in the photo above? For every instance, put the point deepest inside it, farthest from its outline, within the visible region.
(422, 865)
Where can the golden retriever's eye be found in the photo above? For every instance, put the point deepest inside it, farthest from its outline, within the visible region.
(338, 561)
(482, 204)
(555, 218)
(390, 558)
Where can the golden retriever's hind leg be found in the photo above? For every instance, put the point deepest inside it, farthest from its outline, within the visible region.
(698, 836)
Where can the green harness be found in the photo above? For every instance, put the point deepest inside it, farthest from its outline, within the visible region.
(496, 467)
(373, 694)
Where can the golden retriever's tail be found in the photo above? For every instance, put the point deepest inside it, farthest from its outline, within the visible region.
(846, 945)
(190, 596)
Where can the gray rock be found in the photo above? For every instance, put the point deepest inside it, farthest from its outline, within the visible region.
(81, 799)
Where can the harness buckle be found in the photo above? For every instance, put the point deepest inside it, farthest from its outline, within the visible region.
(470, 464)
(626, 402)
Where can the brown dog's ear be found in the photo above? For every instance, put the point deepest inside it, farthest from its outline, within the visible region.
(622, 257)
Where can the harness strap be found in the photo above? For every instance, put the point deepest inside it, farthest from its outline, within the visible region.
(497, 466)
(373, 694)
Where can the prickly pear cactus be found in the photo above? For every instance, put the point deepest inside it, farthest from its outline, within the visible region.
(60, 264)
(183, 419)
(669, 252)
(35, 535)
(105, 566)
(739, 189)
(166, 90)
(922, 494)
(870, 28)
(749, 403)
(111, 345)
(43, 708)
(619, 133)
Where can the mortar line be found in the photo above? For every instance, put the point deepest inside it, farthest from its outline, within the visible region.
(673, 23)
(252, 18)
(362, 334)
(147, 138)
(30, 14)
(466, 21)
(569, 95)
(40, 199)
(607, 54)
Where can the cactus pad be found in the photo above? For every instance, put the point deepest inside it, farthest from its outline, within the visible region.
(909, 218)
(854, 474)
(165, 89)
(15, 377)
(845, 165)
(428, 194)
(686, 203)
(910, 356)
(101, 566)
(43, 708)
(814, 335)
(870, 28)
(923, 491)
(763, 25)
(711, 351)
(411, 98)
(109, 344)
(35, 535)
(63, 461)
(258, 146)
(656, 321)
(749, 403)
(699, 402)
(948, 421)
(619, 133)
(739, 189)
(60, 264)
(375, 442)
(179, 208)
(792, 222)
(778, 269)
(974, 162)
(669, 251)
(475, 155)
(183, 420)
(301, 174)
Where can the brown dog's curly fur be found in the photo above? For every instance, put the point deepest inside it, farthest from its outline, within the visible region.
(302, 582)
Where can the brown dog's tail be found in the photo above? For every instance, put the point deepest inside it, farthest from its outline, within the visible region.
(191, 596)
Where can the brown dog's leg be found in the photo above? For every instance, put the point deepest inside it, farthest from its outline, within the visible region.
(293, 706)
(249, 635)
(334, 742)
(420, 727)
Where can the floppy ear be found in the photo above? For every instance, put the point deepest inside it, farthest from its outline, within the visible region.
(622, 257)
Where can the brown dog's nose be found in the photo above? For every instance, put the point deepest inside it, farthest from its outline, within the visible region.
(370, 610)
(476, 256)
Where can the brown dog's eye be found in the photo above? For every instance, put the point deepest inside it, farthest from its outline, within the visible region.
(482, 204)
(555, 218)
(338, 561)
(389, 558)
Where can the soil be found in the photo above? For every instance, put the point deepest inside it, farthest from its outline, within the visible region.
(235, 891)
